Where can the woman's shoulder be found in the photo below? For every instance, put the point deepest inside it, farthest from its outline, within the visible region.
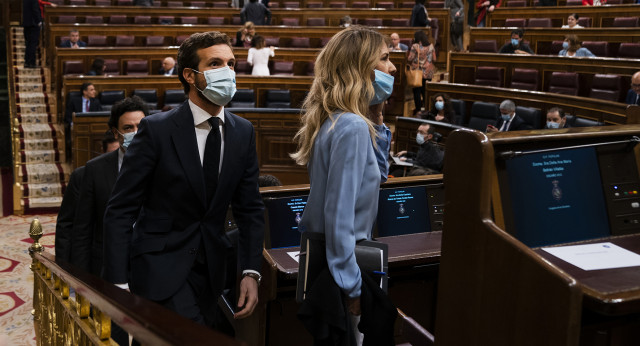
(349, 122)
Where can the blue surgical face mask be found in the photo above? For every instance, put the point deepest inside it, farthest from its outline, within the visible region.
(383, 87)
(439, 105)
(515, 41)
(552, 125)
(505, 117)
(127, 138)
(419, 138)
(221, 85)
(565, 45)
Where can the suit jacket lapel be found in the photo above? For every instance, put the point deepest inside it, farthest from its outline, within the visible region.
(184, 140)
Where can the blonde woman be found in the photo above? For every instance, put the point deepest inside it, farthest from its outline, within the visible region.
(258, 56)
(340, 127)
(245, 35)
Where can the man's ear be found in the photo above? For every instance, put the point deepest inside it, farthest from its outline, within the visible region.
(115, 132)
(189, 75)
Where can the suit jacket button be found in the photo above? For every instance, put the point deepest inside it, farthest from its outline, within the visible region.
(192, 251)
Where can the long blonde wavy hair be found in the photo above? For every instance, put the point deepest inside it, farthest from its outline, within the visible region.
(342, 84)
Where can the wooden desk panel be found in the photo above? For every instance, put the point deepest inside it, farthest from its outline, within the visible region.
(303, 3)
(540, 39)
(601, 16)
(463, 66)
(599, 110)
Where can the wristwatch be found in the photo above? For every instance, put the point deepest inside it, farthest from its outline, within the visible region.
(254, 276)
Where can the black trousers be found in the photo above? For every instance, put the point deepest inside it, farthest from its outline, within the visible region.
(31, 38)
(418, 95)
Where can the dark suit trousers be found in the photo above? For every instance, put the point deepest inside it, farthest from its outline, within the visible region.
(31, 38)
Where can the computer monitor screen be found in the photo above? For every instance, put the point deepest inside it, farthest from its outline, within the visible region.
(557, 197)
(403, 210)
(284, 214)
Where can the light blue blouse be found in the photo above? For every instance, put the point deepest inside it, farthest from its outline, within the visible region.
(343, 198)
(581, 52)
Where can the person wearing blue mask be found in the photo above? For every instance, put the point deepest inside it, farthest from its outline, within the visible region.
(516, 46)
(508, 120)
(571, 48)
(556, 119)
(441, 109)
(337, 143)
(430, 156)
(99, 177)
(164, 225)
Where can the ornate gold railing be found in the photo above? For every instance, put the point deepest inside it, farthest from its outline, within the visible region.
(84, 318)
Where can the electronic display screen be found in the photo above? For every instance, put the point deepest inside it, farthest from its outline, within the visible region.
(557, 197)
(403, 210)
(284, 215)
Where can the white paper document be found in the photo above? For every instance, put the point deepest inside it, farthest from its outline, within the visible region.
(294, 255)
(398, 162)
(596, 256)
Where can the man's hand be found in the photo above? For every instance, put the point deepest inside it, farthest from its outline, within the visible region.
(486, 3)
(491, 8)
(402, 153)
(353, 305)
(491, 128)
(518, 51)
(248, 297)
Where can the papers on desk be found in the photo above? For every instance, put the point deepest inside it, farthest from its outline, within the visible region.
(596, 256)
(398, 162)
(294, 255)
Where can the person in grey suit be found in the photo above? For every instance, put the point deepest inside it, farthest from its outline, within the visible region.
(456, 12)
(164, 224)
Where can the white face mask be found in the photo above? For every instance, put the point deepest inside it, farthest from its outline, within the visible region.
(221, 85)
(127, 138)
(419, 138)
(552, 125)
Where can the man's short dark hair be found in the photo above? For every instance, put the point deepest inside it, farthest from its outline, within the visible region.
(129, 104)
(268, 180)
(519, 32)
(108, 139)
(557, 109)
(85, 85)
(188, 51)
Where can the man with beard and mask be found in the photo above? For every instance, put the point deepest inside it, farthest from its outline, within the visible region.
(430, 156)
(100, 175)
(164, 224)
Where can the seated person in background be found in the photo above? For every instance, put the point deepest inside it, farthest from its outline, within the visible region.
(255, 12)
(73, 41)
(571, 47)
(508, 121)
(168, 67)
(245, 35)
(556, 119)
(516, 46)
(441, 109)
(395, 45)
(85, 103)
(345, 22)
(633, 95)
(485, 7)
(258, 57)
(548, 3)
(572, 22)
(430, 156)
(97, 67)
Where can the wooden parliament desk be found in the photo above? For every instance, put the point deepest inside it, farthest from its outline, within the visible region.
(463, 66)
(301, 57)
(601, 16)
(540, 39)
(413, 268)
(496, 290)
(274, 128)
(281, 3)
(603, 111)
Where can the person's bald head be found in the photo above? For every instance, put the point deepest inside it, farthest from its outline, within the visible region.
(635, 82)
(395, 39)
(168, 63)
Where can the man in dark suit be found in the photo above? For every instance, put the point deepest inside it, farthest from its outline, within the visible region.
(31, 21)
(168, 67)
(99, 177)
(85, 103)
(633, 95)
(164, 224)
(508, 121)
(73, 41)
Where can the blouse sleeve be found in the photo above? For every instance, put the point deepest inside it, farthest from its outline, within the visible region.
(348, 154)
(383, 145)
(271, 53)
(250, 56)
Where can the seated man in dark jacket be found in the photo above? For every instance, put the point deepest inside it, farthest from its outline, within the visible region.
(516, 46)
(509, 121)
(430, 155)
(73, 41)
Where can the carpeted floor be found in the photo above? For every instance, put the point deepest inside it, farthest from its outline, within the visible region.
(16, 279)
